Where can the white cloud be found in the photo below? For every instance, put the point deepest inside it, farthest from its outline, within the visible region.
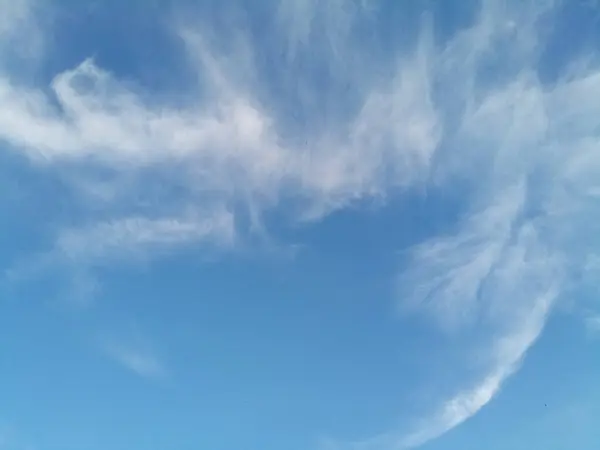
(135, 354)
(14, 13)
(496, 278)
(593, 325)
(526, 148)
(20, 30)
(508, 351)
(447, 274)
(225, 146)
(133, 239)
(140, 236)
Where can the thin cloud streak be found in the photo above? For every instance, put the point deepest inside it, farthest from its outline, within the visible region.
(142, 236)
(136, 355)
(593, 325)
(509, 351)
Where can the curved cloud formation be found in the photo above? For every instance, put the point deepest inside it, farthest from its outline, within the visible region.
(473, 109)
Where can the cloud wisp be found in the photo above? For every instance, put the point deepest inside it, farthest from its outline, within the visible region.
(227, 146)
(473, 109)
(135, 354)
(511, 259)
(140, 236)
(593, 325)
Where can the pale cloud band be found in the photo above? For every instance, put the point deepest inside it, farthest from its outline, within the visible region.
(134, 353)
(528, 148)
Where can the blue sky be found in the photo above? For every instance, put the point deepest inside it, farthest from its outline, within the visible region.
(299, 225)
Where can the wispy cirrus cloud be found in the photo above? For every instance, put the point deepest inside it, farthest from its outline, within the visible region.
(14, 14)
(143, 236)
(473, 109)
(499, 274)
(509, 262)
(135, 353)
(223, 149)
(593, 325)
